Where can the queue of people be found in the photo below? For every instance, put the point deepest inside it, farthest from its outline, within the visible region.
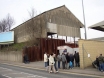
(53, 61)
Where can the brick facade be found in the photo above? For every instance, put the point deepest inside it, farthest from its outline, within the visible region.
(94, 48)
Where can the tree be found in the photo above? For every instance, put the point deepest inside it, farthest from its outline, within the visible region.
(34, 27)
(6, 23)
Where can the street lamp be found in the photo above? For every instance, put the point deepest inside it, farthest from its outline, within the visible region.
(84, 20)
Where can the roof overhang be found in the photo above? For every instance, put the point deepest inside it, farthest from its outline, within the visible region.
(98, 26)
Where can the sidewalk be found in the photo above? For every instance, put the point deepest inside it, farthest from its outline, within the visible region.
(40, 65)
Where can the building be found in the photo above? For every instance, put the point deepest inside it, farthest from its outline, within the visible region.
(58, 21)
(98, 26)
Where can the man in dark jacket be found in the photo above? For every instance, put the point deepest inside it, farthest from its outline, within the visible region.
(59, 59)
(100, 58)
(76, 56)
(72, 59)
(67, 60)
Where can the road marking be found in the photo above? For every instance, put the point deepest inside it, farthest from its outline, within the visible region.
(11, 73)
(59, 72)
(23, 66)
(4, 68)
(26, 73)
(6, 76)
(25, 77)
(41, 76)
(33, 75)
(81, 74)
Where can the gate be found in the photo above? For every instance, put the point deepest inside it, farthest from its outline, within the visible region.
(36, 53)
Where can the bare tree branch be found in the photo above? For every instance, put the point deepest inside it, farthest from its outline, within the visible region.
(6, 23)
(33, 26)
(10, 21)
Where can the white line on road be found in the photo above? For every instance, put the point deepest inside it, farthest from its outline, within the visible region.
(4, 68)
(33, 75)
(6, 76)
(11, 73)
(26, 73)
(26, 77)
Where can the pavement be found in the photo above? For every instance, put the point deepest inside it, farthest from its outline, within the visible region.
(40, 66)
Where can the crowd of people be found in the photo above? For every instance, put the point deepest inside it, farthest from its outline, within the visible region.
(99, 62)
(53, 62)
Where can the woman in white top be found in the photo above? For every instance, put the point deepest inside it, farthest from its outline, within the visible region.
(45, 60)
(51, 63)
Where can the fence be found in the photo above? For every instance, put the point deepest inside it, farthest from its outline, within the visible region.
(35, 53)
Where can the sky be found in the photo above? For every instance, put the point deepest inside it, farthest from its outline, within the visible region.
(94, 11)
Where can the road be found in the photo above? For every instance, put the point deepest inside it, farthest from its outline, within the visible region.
(7, 71)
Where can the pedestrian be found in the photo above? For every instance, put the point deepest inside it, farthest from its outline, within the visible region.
(55, 59)
(103, 64)
(67, 60)
(59, 59)
(51, 63)
(45, 60)
(26, 59)
(100, 58)
(76, 56)
(72, 59)
(48, 62)
(63, 60)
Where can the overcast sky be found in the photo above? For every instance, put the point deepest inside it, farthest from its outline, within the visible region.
(94, 11)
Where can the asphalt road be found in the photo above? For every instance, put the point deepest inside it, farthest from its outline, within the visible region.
(7, 71)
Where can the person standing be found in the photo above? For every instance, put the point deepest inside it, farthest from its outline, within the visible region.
(26, 59)
(55, 59)
(72, 59)
(67, 60)
(51, 63)
(45, 60)
(63, 60)
(100, 58)
(76, 56)
(59, 59)
(103, 64)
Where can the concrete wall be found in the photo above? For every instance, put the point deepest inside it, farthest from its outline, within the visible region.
(14, 56)
(93, 48)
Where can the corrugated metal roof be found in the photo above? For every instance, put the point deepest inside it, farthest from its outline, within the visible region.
(52, 10)
(98, 26)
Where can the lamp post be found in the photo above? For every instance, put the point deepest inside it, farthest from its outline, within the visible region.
(84, 20)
